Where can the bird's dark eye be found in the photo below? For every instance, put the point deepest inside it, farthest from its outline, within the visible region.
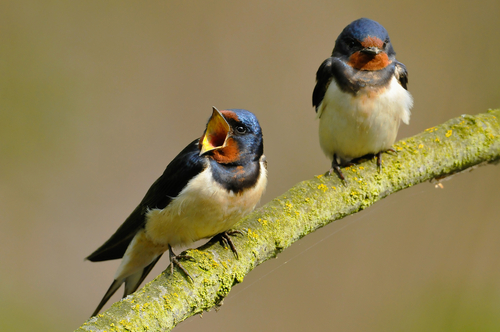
(241, 129)
(351, 42)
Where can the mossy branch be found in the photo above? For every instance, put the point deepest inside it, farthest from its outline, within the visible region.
(438, 152)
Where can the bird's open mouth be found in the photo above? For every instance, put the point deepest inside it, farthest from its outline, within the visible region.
(216, 134)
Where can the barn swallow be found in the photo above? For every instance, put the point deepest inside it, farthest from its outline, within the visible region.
(204, 191)
(360, 95)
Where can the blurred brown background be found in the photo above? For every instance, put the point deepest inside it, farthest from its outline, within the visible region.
(97, 97)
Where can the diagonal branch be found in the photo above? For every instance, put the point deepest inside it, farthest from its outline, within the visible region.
(438, 152)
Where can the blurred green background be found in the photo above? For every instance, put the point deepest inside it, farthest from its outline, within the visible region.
(97, 97)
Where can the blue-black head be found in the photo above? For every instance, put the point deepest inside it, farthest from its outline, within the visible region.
(365, 45)
(233, 136)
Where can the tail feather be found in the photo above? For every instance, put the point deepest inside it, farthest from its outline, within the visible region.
(132, 282)
(111, 290)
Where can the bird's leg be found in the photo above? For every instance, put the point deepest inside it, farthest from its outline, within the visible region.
(174, 259)
(379, 158)
(336, 168)
(225, 240)
(379, 161)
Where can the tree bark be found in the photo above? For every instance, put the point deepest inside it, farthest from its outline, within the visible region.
(460, 144)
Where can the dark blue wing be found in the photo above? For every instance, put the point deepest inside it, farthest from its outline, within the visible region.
(323, 79)
(181, 169)
(401, 74)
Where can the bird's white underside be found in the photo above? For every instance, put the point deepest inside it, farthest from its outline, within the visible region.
(353, 126)
(201, 210)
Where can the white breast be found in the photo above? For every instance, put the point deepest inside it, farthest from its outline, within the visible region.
(201, 210)
(353, 126)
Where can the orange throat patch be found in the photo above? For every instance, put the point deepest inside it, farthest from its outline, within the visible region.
(363, 61)
(228, 154)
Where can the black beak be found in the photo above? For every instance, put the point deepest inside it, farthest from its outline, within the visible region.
(371, 50)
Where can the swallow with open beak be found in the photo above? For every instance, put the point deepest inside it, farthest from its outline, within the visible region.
(204, 191)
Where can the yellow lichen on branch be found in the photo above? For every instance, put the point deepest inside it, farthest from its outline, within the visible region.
(438, 152)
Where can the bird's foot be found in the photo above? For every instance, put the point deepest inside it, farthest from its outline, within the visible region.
(225, 240)
(379, 161)
(379, 158)
(336, 168)
(174, 260)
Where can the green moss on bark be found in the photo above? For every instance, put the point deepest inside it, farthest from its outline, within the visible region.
(438, 152)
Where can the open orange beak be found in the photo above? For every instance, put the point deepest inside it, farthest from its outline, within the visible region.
(216, 134)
